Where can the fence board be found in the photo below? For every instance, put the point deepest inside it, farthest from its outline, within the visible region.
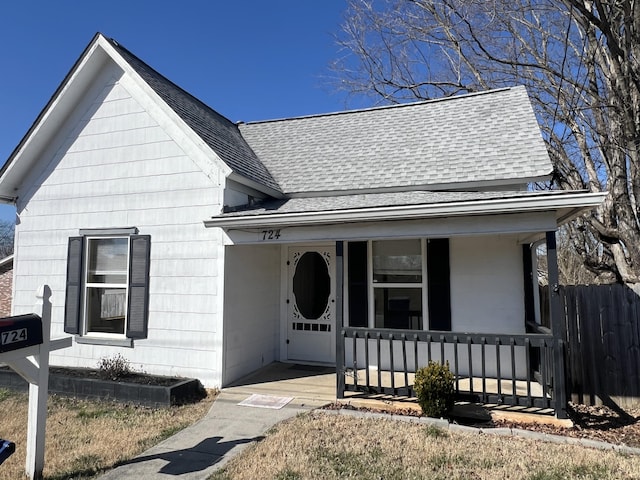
(603, 333)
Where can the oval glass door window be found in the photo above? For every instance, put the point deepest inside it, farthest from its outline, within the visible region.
(311, 285)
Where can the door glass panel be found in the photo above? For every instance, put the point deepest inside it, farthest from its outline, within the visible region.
(311, 285)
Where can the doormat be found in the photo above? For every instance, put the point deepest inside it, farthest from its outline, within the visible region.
(265, 401)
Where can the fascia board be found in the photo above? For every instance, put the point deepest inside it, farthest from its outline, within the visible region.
(172, 124)
(579, 201)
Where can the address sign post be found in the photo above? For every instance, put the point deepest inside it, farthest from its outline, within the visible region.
(25, 343)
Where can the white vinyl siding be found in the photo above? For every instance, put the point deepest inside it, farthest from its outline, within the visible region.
(115, 165)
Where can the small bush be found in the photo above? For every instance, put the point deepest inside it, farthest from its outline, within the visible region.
(434, 388)
(114, 368)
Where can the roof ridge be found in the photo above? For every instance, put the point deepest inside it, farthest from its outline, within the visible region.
(383, 107)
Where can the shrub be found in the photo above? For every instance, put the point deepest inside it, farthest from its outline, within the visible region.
(434, 388)
(114, 368)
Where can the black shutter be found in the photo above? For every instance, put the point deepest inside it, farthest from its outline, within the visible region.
(138, 303)
(439, 284)
(358, 288)
(74, 285)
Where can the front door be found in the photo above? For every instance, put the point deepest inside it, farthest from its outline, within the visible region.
(311, 304)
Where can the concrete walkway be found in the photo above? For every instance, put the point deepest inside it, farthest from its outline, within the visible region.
(197, 451)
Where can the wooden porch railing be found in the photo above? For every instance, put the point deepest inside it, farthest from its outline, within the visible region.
(515, 370)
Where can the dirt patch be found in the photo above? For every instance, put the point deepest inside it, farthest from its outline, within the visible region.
(596, 423)
(133, 377)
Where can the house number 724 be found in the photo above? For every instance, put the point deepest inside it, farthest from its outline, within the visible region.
(270, 234)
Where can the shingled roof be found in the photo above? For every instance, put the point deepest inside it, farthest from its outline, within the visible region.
(491, 137)
(218, 132)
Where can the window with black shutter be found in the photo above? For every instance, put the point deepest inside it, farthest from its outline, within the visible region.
(399, 284)
(107, 284)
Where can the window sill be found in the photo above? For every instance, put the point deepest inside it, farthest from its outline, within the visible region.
(114, 342)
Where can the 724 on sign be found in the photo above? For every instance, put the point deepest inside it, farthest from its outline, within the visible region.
(13, 336)
(19, 332)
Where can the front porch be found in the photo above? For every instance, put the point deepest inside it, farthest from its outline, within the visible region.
(382, 308)
(315, 386)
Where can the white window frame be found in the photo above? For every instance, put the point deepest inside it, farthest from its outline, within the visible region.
(374, 285)
(87, 285)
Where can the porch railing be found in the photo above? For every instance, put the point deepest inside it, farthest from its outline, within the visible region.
(516, 370)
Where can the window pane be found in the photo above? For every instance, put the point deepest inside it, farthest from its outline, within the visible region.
(108, 260)
(106, 309)
(398, 308)
(397, 261)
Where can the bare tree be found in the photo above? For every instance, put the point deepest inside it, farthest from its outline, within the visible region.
(579, 60)
(6, 238)
(571, 267)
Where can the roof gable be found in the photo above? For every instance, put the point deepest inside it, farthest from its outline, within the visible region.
(218, 132)
(220, 140)
(486, 139)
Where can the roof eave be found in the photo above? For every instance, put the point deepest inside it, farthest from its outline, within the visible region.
(565, 206)
(260, 187)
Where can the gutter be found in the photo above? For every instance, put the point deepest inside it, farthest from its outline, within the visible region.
(572, 201)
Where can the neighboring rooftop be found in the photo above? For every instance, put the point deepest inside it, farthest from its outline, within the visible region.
(487, 137)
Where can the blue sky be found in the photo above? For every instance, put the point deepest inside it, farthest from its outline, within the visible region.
(249, 60)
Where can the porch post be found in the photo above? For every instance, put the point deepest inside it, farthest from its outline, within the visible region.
(340, 366)
(557, 327)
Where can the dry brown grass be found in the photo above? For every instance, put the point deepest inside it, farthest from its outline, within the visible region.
(83, 438)
(321, 446)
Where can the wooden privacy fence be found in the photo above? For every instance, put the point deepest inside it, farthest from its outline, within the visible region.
(603, 343)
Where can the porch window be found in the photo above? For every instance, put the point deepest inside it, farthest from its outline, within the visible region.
(107, 285)
(402, 284)
(397, 283)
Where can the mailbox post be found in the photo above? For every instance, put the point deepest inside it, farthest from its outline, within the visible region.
(25, 343)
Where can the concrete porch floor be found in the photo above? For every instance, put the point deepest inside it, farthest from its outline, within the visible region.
(310, 386)
(314, 386)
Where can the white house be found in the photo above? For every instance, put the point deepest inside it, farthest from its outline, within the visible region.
(198, 247)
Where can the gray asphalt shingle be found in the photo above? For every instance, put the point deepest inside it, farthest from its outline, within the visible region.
(480, 137)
